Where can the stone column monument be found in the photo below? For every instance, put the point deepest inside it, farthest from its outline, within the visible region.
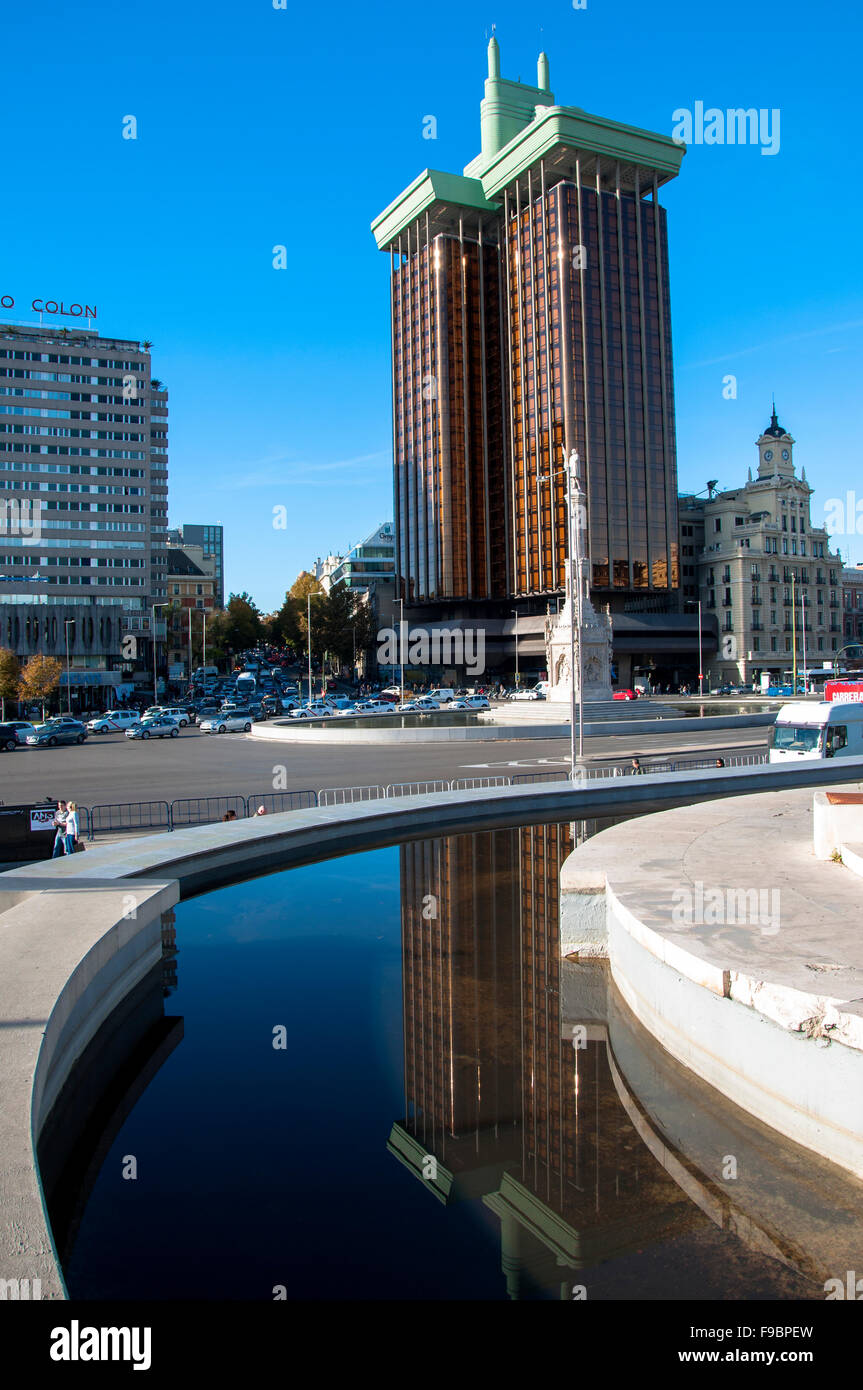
(596, 638)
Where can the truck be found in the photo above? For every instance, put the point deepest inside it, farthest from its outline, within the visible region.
(811, 732)
(844, 692)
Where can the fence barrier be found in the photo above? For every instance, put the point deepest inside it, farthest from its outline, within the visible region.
(202, 810)
(416, 788)
(130, 815)
(347, 796)
(280, 801)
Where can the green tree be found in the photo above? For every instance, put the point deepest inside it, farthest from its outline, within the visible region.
(10, 678)
(236, 629)
(40, 679)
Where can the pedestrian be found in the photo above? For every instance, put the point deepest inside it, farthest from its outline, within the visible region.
(71, 828)
(261, 811)
(59, 823)
(637, 769)
(229, 815)
(720, 762)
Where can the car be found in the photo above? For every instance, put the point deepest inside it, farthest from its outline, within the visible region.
(374, 706)
(176, 712)
(233, 721)
(526, 693)
(113, 721)
(155, 726)
(406, 707)
(427, 704)
(476, 702)
(22, 728)
(319, 709)
(56, 731)
(8, 738)
(623, 695)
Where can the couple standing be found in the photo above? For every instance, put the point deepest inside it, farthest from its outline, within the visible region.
(66, 826)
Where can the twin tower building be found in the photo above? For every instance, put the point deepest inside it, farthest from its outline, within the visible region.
(531, 317)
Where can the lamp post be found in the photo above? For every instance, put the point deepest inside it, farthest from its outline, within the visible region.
(697, 603)
(803, 638)
(514, 611)
(576, 514)
(793, 636)
(204, 651)
(154, 606)
(318, 594)
(70, 622)
(401, 604)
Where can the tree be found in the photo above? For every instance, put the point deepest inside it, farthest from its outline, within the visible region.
(10, 678)
(237, 628)
(40, 679)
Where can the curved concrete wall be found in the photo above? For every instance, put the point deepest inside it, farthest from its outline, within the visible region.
(77, 934)
(329, 731)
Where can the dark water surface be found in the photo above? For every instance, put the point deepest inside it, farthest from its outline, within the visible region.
(456, 1113)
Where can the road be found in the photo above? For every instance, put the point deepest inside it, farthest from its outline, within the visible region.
(111, 769)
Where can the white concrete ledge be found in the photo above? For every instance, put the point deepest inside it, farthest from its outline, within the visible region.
(68, 956)
(759, 990)
(332, 731)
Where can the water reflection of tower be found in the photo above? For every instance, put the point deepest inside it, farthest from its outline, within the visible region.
(461, 999)
(495, 1092)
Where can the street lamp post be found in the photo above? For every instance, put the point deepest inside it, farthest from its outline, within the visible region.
(401, 604)
(154, 606)
(318, 594)
(70, 622)
(697, 603)
(576, 511)
(204, 648)
(514, 611)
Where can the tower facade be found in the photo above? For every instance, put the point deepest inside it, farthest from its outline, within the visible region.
(531, 317)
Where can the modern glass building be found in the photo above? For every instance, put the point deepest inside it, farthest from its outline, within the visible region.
(531, 317)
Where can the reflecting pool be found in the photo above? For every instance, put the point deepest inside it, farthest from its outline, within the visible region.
(376, 1078)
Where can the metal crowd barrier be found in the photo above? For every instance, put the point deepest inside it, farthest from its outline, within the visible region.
(134, 815)
(203, 810)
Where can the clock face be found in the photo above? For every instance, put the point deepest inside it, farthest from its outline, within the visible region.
(768, 454)
(786, 455)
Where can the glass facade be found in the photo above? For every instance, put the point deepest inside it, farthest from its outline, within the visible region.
(505, 360)
(449, 483)
(589, 352)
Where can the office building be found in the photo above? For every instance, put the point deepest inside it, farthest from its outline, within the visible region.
(211, 540)
(763, 570)
(367, 564)
(531, 317)
(84, 498)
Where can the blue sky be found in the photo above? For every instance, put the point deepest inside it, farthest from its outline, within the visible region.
(259, 127)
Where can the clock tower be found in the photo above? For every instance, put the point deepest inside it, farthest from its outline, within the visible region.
(775, 451)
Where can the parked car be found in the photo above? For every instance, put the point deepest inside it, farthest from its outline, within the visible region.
(8, 738)
(56, 731)
(476, 702)
(528, 692)
(155, 726)
(113, 722)
(22, 728)
(233, 721)
(624, 695)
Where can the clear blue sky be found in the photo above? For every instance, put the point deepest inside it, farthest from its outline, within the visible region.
(259, 126)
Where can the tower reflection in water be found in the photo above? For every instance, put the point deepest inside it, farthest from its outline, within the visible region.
(513, 1095)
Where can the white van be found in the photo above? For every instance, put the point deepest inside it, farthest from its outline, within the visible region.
(442, 696)
(813, 732)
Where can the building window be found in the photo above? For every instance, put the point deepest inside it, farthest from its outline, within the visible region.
(717, 523)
